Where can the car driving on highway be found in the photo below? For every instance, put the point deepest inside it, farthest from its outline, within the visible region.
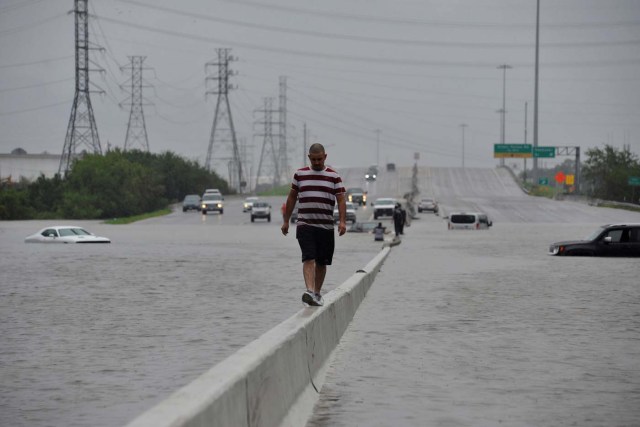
(248, 203)
(261, 210)
(212, 202)
(622, 240)
(191, 202)
(383, 207)
(428, 204)
(357, 195)
(351, 213)
(372, 173)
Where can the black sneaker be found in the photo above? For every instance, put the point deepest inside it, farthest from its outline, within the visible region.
(308, 298)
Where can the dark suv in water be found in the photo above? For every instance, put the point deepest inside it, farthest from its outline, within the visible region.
(357, 195)
(191, 201)
(608, 240)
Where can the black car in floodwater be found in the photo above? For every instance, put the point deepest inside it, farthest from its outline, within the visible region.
(191, 202)
(622, 240)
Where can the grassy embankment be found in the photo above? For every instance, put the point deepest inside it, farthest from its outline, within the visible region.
(283, 190)
(613, 206)
(134, 218)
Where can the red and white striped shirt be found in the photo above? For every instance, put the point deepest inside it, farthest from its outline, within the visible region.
(316, 195)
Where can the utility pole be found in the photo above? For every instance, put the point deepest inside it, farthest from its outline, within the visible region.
(223, 114)
(378, 147)
(246, 158)
(463, 126)
(304, 145)
(136, 129)
(504, 68)
(526, 104)
(535, 99)
(282, 123)
(268, 154)
(82, 129)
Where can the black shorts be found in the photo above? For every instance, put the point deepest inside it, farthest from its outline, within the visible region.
(316, 243)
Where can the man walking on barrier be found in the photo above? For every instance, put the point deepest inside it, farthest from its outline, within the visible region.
(317, 189)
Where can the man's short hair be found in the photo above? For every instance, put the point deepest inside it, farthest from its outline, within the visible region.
(316, 148)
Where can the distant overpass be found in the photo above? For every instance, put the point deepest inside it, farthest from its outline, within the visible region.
(490, 190)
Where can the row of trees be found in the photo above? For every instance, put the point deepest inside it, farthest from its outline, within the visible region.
(604, 174)
(113, 185)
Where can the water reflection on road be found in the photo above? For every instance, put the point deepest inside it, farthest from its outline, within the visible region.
(96, 334)
(493, 331)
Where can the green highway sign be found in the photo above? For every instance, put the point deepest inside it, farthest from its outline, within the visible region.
(544, 151)
(512, 150)
(634, 180)
(543, 181)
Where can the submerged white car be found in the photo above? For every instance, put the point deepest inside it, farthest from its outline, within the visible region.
(65, 234)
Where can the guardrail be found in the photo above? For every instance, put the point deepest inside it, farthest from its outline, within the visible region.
(274, 380)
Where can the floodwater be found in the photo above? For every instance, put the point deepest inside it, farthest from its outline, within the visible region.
(461, 328)
(483, 328)
(96, 334)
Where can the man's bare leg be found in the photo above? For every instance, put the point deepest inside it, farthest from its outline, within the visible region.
(320, 272)
(309, 273)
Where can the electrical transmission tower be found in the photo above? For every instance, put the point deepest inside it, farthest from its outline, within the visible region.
(82, 128)
(136, 129)
(223, 127)
(269, 154)
(282, 122)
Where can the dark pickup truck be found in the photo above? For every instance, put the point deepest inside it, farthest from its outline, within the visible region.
(357, 195)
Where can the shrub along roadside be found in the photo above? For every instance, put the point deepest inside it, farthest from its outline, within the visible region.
(115, 185)
(130, 219)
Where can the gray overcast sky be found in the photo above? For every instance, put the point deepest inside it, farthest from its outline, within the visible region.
(415, 69)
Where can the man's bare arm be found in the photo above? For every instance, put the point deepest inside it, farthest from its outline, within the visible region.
(342, 213)
(288, 210)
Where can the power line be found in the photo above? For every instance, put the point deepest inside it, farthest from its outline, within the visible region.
(36, 85)
(357, 58)
(19, 5)
(30, 26)
(315, 70)
(418, 22)
(41, 61)
(377, 40)
(43, 107)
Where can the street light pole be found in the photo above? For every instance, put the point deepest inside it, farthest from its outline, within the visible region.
(535, 100)
(526, 104)
(378, 147)
(504, 68)
(463, 126)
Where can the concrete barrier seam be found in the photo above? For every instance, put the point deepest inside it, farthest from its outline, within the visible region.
(309, 366)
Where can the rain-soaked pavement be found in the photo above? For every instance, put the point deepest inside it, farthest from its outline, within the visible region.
(93, 335)
(460, 328)
(483, 328)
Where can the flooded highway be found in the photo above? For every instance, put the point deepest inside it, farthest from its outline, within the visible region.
(483, 328)
(96, 334)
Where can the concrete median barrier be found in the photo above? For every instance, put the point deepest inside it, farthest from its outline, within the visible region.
(274, 380)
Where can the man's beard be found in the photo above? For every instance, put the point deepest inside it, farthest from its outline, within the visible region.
(317, 168)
